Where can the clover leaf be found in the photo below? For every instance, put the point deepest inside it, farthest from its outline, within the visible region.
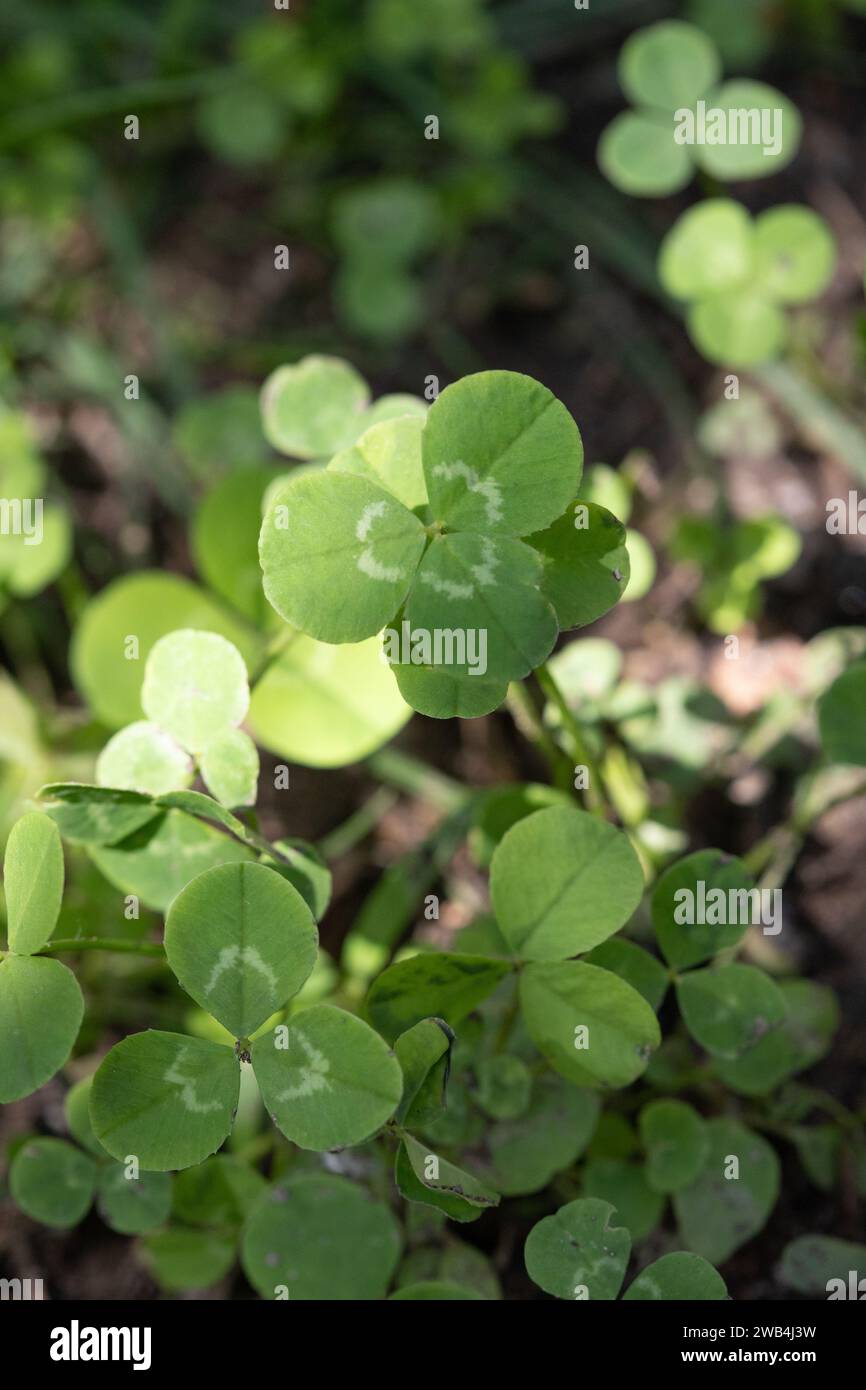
(241, 941)
(737, 274)
(682, 120)
(455, 535)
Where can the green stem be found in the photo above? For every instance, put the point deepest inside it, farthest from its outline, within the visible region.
(344, 837)
(531, 726)
(594, 794)
(60, 945)
(411, 775)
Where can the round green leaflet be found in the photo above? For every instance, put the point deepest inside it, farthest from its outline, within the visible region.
(33, 882)
(528, 1151)
(389, 454)
(312, 408)
(501, 454)
(120, 626)
(810, 1263)
(842, 717)
(561, 882)
(642, 566)
(737, 329)
(241, 941)
(592, 1027)
(586, 564)
(225, 540)
(52, 1182)
(727, 1010)
(181, 1259)
(326, 1078)
(195, 687)
(338, 554)
(701, 905)
(504, 1086)
(132, 1205)
(378, 298)
(668, 65)
(326, 706)
(637, 153)
(76, 1105)
(675, 1138)
(634, 965)
(803, 1037)
(220, 433)
(26, 568)
(230, 767)
(624, 1185)
(392, 407)
(221, 1191)
(143, 758)
(389, 219)
(763, 131)
(579, 1253)
(709, 249)
(160, 860)
(733, 1196)
(318, 1238)
(433, 1290)
(474, 610)
(41, 1008)
(165, 1099)
(678, 1277)
(242, 124)
(796, 254)
(441, 695)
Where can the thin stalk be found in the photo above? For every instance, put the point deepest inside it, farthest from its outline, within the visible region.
(594, 793)
(60, 945)
(409, 774)
(357, 826)
(530, 725)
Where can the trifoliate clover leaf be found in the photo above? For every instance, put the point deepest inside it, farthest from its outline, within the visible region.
(313, 408)
(683, 120)
(338, 555)
(195, 687)
(144, 758)
(501, 454)
(736, 275)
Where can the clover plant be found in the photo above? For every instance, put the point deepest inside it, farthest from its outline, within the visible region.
(737, 274)
(332, 1125)
(683, 118)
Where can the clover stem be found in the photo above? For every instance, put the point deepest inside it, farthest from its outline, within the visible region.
(101, 943)
(593, 794)
(357, 826)
(411, 775)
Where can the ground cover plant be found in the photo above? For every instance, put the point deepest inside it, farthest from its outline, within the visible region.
(430, 851)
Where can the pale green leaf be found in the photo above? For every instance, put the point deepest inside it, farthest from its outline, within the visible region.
(195, 687)
(143, 758)
(230, 768)
(241, 941)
